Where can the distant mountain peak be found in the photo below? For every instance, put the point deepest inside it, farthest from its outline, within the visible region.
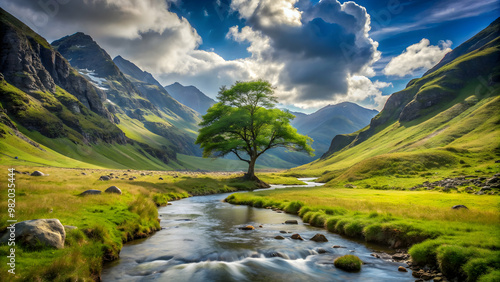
(190, 96)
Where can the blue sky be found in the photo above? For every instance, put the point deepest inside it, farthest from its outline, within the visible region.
(213, 20)
(314, 52)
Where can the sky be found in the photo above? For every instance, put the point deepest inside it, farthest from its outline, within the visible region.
(314, 53)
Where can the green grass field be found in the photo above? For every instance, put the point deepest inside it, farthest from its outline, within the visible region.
(465, 241)
(104, 221)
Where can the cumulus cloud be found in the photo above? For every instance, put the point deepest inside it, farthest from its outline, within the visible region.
(418, 56)
(314, 53)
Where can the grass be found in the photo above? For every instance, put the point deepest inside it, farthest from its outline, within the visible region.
(104, 221)
(423, 220)
(349, 263)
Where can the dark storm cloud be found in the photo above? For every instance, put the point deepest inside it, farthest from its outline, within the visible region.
(329, 45)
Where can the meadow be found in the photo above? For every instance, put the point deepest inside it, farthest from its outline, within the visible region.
(104, 222)
(464, 243)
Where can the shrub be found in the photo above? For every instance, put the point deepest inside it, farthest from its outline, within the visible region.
(349, 263)
(304, 210)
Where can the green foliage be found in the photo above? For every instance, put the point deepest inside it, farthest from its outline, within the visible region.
(245, 123)
(452, 258)
(349, 263)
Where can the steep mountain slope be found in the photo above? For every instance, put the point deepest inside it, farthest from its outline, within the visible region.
(143, 111)
(447, 122)
(191, 97)
(48, 109)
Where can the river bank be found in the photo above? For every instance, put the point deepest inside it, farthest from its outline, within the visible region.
(103, 222)
(203, 239)
(461, 244)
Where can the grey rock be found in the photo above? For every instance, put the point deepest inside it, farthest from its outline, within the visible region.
(90, 192)
(37, 173)
(104, 178)
(113, 189)
(49, 232)
(457, 207)
(297, 237)
(291, 221)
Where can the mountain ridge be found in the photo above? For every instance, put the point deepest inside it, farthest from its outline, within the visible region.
(190, 96)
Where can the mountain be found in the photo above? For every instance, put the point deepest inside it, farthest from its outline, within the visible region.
(445, 122)
(332, 120)
(321, 125)
(191, 97)
(52, 114)
(142, 108)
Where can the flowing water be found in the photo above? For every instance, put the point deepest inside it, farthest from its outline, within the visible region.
(200, 240)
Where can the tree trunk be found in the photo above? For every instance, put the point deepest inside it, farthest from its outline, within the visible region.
(250, 175)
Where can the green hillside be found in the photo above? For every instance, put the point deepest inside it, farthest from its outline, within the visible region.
(446, 123)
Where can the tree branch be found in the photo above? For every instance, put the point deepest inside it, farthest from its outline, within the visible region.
(236, 153)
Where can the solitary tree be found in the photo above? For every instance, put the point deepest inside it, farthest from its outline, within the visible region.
(245, 123)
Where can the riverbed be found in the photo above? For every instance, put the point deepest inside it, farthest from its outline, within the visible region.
(200, 240)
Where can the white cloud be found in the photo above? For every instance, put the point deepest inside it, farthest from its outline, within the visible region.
(418, 56)
(315, 54)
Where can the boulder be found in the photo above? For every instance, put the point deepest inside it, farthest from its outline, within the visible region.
(279, 237)
(161, 178)
(113, 189)
(457, 207)
(296, 237)
(321, 251)
(90, 192)
(283, 231)
(402, 269)
(104, 178)
(319, 238)
(49, 232)
(291, 221)
(83, 173)
(37, 173)
(337, 246)
(248, 227)
(399, 256)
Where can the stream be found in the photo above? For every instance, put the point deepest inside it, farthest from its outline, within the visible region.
(200, 240)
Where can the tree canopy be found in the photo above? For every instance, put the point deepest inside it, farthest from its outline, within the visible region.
(246, 123)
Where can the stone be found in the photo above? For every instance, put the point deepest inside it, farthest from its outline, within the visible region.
(399, 256)
(319, 238)
(113, 189)
(131, 178)
(160, 178)
(291, 221)
(90, 192)
(485, 188)
(427, 276)
(279, 237)
(337, 246)
(49, 232)
(438, 279)
(297, 237)
(70, 227)
(83, 173)
(248, 227)
(104, 178)
(321, 251)
(283, 231)
(457, 207)
(37, 173)
(349, 186)
(402, 269)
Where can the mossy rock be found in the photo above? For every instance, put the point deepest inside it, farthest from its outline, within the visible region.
(349, 263)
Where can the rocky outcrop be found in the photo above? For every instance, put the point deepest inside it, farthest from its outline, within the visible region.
(49, 232)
